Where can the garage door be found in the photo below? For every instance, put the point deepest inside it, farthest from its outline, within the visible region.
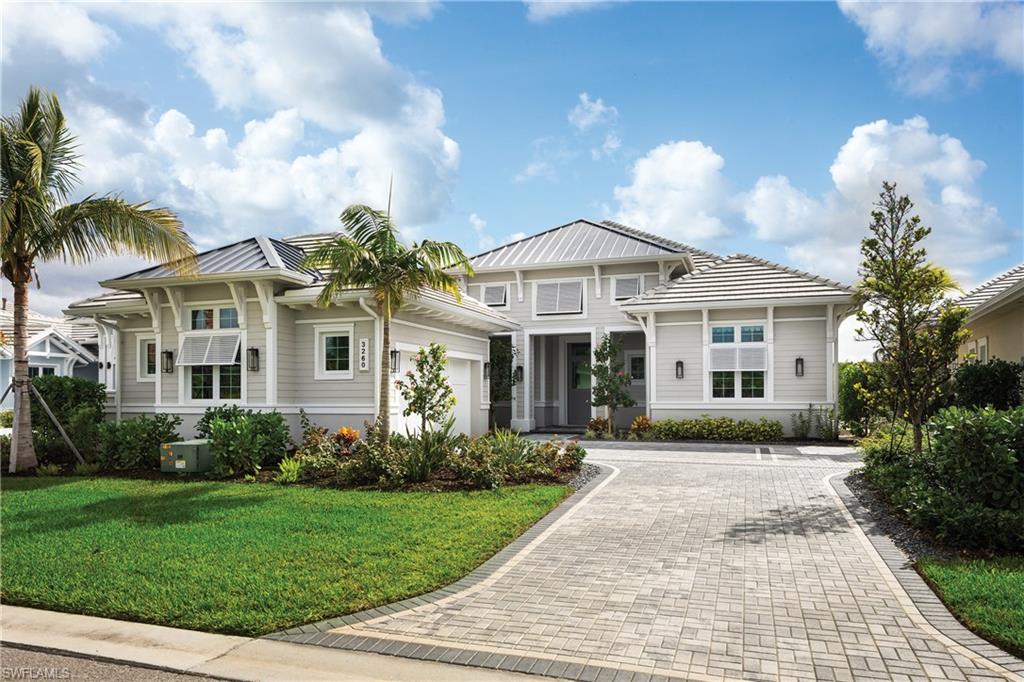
(459, 378)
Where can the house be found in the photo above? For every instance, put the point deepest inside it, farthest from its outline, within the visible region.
(56, 345)
(701, 333)
(996, 318)
(733, 336)
(246, 329)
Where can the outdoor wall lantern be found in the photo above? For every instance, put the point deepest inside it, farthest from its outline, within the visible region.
(679, 369)
(518, 374)
(487, 371)
(252, 359)
(396, 357)
(799, 367)
(167, 361)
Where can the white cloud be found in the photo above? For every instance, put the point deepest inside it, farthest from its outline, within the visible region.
(612, 143)
(535, 169)
(678, 190)
(485, 241)
(589, 113)
(65, 28)
(928, 44)
(935, 170)
(544, 10)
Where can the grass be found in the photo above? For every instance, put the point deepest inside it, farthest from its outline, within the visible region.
(987, 595)
(244, 559)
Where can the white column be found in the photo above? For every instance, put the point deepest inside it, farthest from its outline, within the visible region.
(593, 347)
(830, 325)
(651, 332)
(705, 355)
(769, 337)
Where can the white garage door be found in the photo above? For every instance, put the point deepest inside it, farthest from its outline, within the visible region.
(459, 378)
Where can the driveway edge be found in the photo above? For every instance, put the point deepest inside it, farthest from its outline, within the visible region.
(924, 599)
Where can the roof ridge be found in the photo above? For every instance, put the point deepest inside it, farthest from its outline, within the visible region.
(676, 244)
(998, 278)
(529, 237)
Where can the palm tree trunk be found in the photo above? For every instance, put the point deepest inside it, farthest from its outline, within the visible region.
(384, 403)
(23, 454)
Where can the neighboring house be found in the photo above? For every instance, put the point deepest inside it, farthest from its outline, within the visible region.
(734, 336)
(996, 318)
(702, 334)
(56, 345)
(247, 330)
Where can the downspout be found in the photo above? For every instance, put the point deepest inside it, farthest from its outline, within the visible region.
(378, 332)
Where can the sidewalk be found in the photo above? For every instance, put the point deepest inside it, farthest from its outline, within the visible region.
(221, 656)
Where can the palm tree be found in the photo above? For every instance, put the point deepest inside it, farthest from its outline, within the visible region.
(38, 223)
(370, 255)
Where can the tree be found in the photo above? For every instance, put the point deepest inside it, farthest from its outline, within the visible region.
(37, 223)
(370, 255)
(905, 311)
(610, 382)
(502, 375)
(426, 390)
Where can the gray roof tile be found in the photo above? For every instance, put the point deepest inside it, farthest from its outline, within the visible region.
(992, 288)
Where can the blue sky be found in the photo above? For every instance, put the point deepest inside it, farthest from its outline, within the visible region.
(762, 128)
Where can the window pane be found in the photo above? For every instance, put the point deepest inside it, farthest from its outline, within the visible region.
(228, 318)
(202, 382)
(33, 372)
(752, 384)
(230, 382)
(202, 319)
(150, 359)
(336, 353)
(723, 335)
(752, 333)
(636, 367)
(723, 385)
(48, 371)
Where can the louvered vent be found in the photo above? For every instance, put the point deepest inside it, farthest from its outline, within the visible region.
(753, 359)
(723, 359)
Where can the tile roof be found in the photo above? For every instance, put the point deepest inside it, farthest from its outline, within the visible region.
(108, 299)
(580, 241)
(252, 254)
(740, 278)
(992, 288)
(37, 322)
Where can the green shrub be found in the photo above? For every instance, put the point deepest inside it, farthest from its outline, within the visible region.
(598, 425)
(372, 463)
(135, 443)
(227, 413)
(640, 426)
(473, 462)
(51, 469)
(826, 422)
(247, 443)
(856, 379)
(802, 423)
(997, 383)
(288, 471)
(6, 418)
(87, 469)
(424, 452)
(889, 443)
(515, 458)
(716, 428)
(78, 404)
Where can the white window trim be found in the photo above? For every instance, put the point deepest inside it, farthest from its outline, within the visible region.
(319, 332)
(216, 399)
(629, 355)
(185, 371)
(737, 373)
(140, 360)
(483, 295)
(983, 343)
(582, 315)
(639, 285)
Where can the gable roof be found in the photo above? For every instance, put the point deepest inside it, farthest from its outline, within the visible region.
(739, 278)
(248, 255)
(995, 289)
(580, 240)
(70, 332)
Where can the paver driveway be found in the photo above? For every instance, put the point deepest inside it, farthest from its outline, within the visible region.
(693, 565)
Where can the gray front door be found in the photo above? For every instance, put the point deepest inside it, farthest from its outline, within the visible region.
(577, 397)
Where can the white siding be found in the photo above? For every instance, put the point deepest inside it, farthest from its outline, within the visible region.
(806, 340)
(679, 342)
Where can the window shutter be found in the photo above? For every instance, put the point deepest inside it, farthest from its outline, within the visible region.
(753, 359)
(723, 359)
(570, 297)
(627, 287)
(494, 294)
(193, 350)
(547, 297)
(223, 349)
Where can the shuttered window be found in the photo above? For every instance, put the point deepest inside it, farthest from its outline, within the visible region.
(739, 361)
(209, 349)
(626, 287)
(559, 298)
(495, 295)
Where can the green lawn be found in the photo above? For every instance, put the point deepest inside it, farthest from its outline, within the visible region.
(243, 559)
(986, 594)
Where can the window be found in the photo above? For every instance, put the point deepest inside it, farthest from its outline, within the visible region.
(202, 382)
(230, 382)
(751, 333)
(495, 295)
(228, 318)
(723, 335)
(36, 370)
(213, 318)
(723, 384)
(558, 298)
(223, 381)
(636, 365)
(983, 349)
(147, 364)
(333, 351)
(626, 287)
(752, 384)
(202, 318)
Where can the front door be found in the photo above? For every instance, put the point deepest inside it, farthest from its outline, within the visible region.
(577, 398)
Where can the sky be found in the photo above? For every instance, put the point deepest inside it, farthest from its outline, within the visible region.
(760, 128)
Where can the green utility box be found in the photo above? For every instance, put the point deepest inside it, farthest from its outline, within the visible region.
(186, 456)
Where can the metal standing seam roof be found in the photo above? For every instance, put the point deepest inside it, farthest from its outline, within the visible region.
(581, 240)
(310, 242)
(740, 278)
(992, 288)
(243, 256)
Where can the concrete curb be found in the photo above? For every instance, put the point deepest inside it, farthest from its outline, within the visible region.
(924, 599)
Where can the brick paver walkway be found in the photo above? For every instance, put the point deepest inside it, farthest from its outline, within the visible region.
(702, 565)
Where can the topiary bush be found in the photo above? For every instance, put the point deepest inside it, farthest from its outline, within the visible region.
(135, 443)
(997, 383)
